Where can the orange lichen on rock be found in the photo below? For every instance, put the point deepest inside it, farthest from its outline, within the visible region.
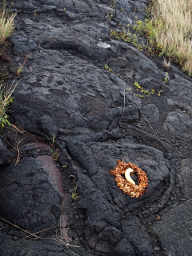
(126, 186)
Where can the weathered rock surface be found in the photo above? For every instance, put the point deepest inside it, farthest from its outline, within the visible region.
(185, 177)
(78, 92)
(48, 247)
(5, 155)
(174, 230)
(95, 159)
(30, 193)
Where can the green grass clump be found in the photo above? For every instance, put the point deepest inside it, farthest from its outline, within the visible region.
(126, 36)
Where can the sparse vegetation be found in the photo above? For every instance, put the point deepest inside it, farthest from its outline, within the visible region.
(142, 92)
(126, 36)
(6, 92)
(6, 25)
(107, 68)
(6, 88)
(169, 30)
(75, 194)
(166, 78)
(55, 154)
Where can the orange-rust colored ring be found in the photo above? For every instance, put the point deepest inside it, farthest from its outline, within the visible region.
(127, 187)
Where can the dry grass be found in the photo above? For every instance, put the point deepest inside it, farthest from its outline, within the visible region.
(6, 25)
(170, 29)
(6, 91)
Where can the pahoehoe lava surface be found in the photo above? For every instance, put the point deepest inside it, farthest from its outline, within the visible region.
(76, 103)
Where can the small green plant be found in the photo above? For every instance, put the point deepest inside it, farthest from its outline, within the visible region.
(107, 68)
(6, 99)
(166, 78)
(142, 92)
(21, 66)
(121, 35)
(55, 154)
(6, 25)
(19, 70)
(74, 194)
(126, 36)
(110, 15)
(53, 139)
(146, 28)
(137, 85)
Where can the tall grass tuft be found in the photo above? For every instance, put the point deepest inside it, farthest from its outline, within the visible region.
(170, 28)
(6, 91)
(6, 25)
